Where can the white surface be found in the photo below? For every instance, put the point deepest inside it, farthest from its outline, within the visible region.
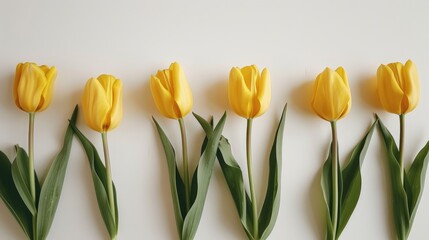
(133, 39)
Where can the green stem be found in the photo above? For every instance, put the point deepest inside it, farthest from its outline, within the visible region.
(108, 175)
(31, 166)
(185, 164)
(335, 167)
(401, 144)
(249, 171)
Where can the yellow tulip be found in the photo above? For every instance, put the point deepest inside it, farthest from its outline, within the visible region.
(331, 94)
(33, 86)
(398, 87)
(102, 103)
(171, 92)
(249, 92)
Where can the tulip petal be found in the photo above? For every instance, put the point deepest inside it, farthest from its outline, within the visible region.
(18, 73)
(48, 92)
(389, 90)
(239, 93)
(263, 92)
(116, 112)
(411, 87)
(181, 91)
(30, 87)
(162, 97)
(95, 105)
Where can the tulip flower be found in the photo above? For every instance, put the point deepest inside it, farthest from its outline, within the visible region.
(331, 102)
(173, 98)
(102, 103)
(102, 109)
(331, 95)
(249, 92)
(171, 92)
(33, 86)
(398, 87)
(33, 204)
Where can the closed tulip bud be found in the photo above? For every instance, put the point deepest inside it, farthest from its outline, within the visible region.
(398, 87)
(331, 95)
(33, 86)
(171, 92)
(102, 103)
(249, 92)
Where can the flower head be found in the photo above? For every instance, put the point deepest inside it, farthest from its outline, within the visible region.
(398, 87)
(249, 92)
(33, 86)
(331, 95)
(102, 103)
(171, 92)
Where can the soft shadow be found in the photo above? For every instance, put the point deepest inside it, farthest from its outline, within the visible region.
(368, 92)
(140, 99)
(316, 208)
(217, 97)
(301, 97)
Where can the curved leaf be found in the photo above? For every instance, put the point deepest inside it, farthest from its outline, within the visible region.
(204, 172)
(352, 180)
(401, 212)
(11, 197)
(270, 207)
(326, 183)
(52, 186)
(176, 182)
(22, 181)
(416, 178)
(99, 178)
(234, 178)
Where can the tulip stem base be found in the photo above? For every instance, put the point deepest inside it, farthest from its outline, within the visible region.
(108, 175)
(250, 175)
(401, 144)
(31, 116)
(335, 168)
(185, 163)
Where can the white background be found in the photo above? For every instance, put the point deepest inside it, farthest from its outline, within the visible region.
(133, 39)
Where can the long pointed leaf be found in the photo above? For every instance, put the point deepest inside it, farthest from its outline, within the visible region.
(99, 179)
(204, 172)
(270, 208)
(352, 180)
(22, 181)
(52, 186)
(401, 212)
(326, 183)
(176, 182)
(11, 197)
(234, 178)
(416, 177)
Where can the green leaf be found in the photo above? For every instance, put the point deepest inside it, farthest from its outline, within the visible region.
(176, 183)
(234, 178)
(327, 190)
(22, 181)
(416, 179)
(52, 186)
(352, 180)
(11, 197)
(99, 178)
(401, 212)
(270, 207)
(204, 172)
